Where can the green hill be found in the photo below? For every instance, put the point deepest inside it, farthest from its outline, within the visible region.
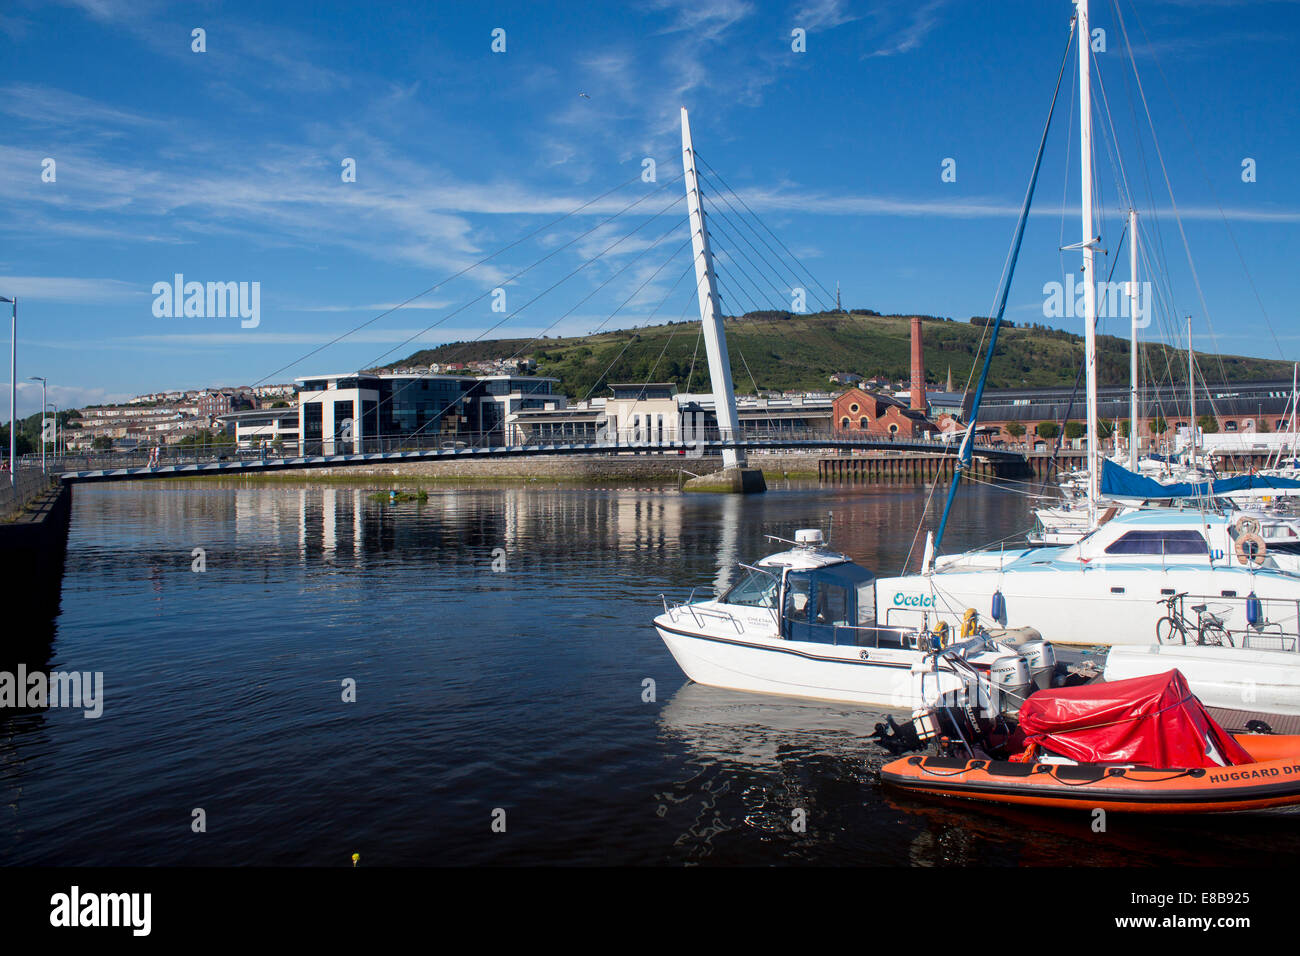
(776, 350)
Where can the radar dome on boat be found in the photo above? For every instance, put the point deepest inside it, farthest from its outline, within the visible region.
(809, 536)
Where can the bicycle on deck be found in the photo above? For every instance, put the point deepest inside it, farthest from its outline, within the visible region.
(1176, 628)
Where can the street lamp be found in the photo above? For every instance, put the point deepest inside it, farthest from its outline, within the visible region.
(13, 392)
(55, 406)
(41, 379)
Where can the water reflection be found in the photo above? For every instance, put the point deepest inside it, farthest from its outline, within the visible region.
(477, 688)
(775, 768)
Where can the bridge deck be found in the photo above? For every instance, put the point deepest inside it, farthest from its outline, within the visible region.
(693, 449)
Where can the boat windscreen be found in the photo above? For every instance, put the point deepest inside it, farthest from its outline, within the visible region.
(755, 589)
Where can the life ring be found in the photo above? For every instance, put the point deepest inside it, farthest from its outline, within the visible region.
(969, 622)
(1251, 549)
(1247, 525)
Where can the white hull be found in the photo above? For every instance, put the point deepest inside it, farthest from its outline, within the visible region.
(881, 678)
(1235, 678)
(1089, 606)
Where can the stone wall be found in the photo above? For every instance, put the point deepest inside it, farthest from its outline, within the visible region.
(620, 468)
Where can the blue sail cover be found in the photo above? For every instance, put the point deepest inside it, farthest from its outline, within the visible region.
(1119, 482)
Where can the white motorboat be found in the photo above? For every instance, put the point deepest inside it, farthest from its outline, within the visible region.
(1238, 678)
(802, 623)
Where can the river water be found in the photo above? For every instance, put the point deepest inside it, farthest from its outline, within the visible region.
(499, 640)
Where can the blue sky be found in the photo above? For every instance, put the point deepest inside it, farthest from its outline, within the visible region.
(226, 166)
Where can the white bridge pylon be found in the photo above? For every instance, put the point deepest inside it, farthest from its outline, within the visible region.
(715, 337)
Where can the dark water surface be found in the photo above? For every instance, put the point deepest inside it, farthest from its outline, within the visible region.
(477, 689)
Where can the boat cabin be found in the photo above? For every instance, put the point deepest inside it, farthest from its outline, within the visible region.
(1159, 535)
(815, 594)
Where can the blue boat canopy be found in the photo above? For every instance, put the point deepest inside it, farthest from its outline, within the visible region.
(1119, 482)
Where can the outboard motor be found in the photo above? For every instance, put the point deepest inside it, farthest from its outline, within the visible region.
(1011, 682)
(1041, 658)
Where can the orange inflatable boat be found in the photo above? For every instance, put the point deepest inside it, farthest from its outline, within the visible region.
(1144, 745)
(1272, 780)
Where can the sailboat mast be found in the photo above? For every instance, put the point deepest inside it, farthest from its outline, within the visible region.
(1295, 406)
(1133, 346)
(1089, 252)
(1191, 387)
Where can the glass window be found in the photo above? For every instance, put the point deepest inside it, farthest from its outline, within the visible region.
(756, 589)
(311, 413)
(343, 425)
(1159, 542)
(796, 598)
(832, 604)
(866, 604)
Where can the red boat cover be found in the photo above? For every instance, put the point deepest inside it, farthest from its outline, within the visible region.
(1153, 721)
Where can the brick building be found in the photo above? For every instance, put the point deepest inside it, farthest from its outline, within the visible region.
(857, 410)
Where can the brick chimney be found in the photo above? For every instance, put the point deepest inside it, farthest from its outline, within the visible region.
(918, 367)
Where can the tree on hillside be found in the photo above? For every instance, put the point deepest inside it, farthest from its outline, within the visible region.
(24, 441)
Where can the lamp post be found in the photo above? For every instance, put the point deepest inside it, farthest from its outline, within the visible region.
(55, 406)
(41, 379)
(13, 392)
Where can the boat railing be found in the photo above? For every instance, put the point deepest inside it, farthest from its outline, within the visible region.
(1231, 613)
(699, 614)
(871, 635)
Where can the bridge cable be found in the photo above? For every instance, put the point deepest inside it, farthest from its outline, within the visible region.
(538, 262)
(740, 234)
(745, 205)
(553, 286)
(439, 284)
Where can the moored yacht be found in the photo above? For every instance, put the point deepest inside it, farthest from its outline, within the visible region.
(1111, 587)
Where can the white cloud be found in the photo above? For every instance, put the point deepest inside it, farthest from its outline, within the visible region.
(68, 289)
(823, 15)
(64, 396)
(46, 106)
(373, 307)
(904, 27)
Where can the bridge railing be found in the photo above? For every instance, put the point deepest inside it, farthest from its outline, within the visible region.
(625, 442)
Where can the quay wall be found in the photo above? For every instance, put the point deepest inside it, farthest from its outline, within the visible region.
(902, 466)
(32, 550)
(656, 468)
